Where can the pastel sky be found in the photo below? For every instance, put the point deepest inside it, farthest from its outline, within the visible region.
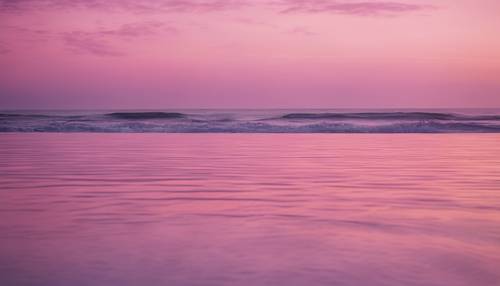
(141, 54)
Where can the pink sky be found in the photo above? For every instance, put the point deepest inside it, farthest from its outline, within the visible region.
(249, 54)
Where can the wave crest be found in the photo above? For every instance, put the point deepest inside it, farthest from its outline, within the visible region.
(146, 115)
(390, 116)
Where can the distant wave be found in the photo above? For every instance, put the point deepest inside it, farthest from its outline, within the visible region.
(146, 115)
(247, 122)
(390, 116)
(15, 115)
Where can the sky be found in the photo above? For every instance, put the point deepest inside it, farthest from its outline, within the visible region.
(147, 54)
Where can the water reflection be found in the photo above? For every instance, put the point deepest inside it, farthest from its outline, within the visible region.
(235, 209)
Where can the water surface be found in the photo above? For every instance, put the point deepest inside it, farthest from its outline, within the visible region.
(238, 209)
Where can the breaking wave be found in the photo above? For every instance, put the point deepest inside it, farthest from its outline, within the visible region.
(390, 116)
(248, 122)
(146, 115)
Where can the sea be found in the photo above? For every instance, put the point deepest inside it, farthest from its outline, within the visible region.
(250, 198)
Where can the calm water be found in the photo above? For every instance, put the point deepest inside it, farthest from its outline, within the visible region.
(249, 209)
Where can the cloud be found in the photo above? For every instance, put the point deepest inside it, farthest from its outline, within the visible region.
(301, 31)
(138, 29)
(129, 5)
(13, 38)
(365, 8)
(99, 42)
(356, 7)
(33, 35)
(249, 21)
(87, 43)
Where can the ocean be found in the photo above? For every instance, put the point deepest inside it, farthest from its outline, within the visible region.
(249, 209)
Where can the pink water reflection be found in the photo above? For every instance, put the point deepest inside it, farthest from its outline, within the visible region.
(235, 209)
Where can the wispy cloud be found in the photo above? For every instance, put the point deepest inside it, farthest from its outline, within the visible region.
(100, 42)
(354, 7)
(137, 29)
(361, 8)
(253, 22)
(34, 35)
(84, 42)
(300, 31)
(130, 5)
(13, 38)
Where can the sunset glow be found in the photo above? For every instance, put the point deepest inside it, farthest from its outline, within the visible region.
(249, 142)
(245, 54)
